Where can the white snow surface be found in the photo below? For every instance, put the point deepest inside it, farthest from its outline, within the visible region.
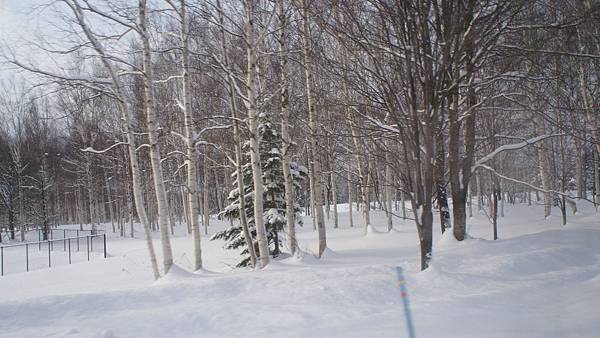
(539, 280)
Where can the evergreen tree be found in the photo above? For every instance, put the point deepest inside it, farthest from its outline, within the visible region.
(270, 144)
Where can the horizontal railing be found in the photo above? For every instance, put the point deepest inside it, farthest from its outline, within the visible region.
(66, 241)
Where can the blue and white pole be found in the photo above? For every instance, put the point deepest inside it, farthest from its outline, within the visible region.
(404, 295)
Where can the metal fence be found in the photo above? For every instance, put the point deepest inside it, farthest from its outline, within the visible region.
(53, 232)
(69, 245)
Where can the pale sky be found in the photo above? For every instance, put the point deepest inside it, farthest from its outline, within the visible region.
(25, 22)
(21, 21)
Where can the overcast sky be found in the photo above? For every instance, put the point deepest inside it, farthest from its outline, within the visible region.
(20, 21)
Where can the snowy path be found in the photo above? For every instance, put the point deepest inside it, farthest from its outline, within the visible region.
(541, 280)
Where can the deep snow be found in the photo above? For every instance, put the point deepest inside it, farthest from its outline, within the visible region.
(539, 280)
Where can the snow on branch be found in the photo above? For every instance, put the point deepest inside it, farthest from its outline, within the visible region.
(512, 146)
(173, 153)
(555, 52)
(493, 171)
(142, 146)
(178, 135)
(211, 128)
(92, 150)
(62, 77)
(172, 77)
(376, 122)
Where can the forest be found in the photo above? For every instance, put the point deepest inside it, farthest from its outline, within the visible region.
(162, 112)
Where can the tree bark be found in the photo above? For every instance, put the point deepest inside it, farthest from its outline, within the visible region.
(261, 234)
(312, 123)
(350, 217)
(285, 134)
(237, 135)
(153, 135)
(191, 159)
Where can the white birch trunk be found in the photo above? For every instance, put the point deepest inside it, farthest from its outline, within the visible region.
(110, 202)
(192, 206)
(285, 134)
(350, 218)
(205, 209)
(334, 199)
(388, 192)
(544, 167)
(237, 145)
(312, 123)
(127, 127)
(153, 127)
(311, 183)
(261, 234)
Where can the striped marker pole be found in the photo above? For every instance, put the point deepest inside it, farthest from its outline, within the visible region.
(404, 295)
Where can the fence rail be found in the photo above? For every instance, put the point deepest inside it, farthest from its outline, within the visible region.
(52, 232)
(66, 241)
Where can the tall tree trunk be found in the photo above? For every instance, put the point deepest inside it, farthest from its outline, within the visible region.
(312, 125)
(388, 191)
(285, 134)
(261, 234)
(237, 135)
(127, 128)
(110, 201)
(544, 166)
(334, 199)
(470, 200)
(191, 159)
(135, 171)
(349, 179)
(440, 181)
(205, 207)
(591, 118)
(153, 134)
(460, 171)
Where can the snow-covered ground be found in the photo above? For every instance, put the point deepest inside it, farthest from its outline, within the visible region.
(539, 280)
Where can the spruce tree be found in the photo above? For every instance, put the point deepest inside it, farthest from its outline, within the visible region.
(270, 145)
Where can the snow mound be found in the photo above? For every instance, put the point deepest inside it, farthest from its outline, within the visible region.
(448, 241)
(176, 274)
(328, 253)
(371, 230)
(106, 334)
(301, 257)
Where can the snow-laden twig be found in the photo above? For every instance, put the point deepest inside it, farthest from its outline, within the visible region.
(512, 146)
(63, 77)
(380, 124)
(555, 52)
(142, 146)
(493, 171)
(178, 135)
(92, 150)
(172, 77)
(171, 154)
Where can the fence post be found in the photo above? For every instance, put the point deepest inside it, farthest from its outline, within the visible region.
(49, 260)
(87, 245)
(64, 240)
(2, 260)
(27, 256)
(91, 242)
(77, 240)
(39, 240)
(69, 250)
(104, 240)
